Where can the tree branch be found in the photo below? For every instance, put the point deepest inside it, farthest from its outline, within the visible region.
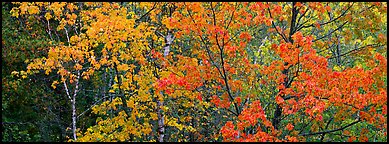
(330, 131)
(311, 25)
(222, 64)
(331, 32)
(137, 20)
(372, 45)
(274, 26)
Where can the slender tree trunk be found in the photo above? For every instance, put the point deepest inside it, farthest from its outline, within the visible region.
(74, 117)
(161, 122)
(73, 103)
(74, 114)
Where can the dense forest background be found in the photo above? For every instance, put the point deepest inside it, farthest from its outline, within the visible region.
(186, 71)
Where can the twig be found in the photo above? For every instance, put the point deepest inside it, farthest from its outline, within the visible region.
(330, 131)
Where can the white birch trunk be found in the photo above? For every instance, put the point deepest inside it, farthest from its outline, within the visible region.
(74, 118)
(161, 122)
(74, 114)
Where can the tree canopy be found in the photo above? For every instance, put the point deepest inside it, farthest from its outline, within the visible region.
(194, 71)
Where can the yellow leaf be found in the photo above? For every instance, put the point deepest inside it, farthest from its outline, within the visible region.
(15, 73)
(115, 86)
(78, 67)
(48, 16)
(337, 68)
(130, 103)
(33, 10)
(123, 67)
(154, 116)
(15, 12)
(54, 83)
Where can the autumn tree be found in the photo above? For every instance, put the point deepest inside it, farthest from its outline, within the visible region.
(306, 85)
(220, 71)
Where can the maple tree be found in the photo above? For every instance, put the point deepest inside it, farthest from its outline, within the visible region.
(219, 71)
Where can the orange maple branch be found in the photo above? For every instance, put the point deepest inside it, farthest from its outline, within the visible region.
(222, 65)
(311, 25)
(299, 19)
(274, 26)
(232, 16)
(206, 46)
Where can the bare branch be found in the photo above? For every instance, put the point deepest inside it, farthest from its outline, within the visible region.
(67, 90)
(91, 107)
(330, 131)
(355, 50)
(67, 35)
(331, 32)
(137, 20)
